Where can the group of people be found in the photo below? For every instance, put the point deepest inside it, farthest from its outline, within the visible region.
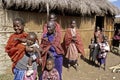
(99, 47)
(27, 53)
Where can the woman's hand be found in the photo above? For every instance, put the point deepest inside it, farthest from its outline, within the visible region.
(74, 38)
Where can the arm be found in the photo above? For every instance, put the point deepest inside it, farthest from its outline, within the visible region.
(21, 39)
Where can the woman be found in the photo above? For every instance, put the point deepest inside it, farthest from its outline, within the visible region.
(98, 35)
(73, 44)
(16, 51)
(51, 43)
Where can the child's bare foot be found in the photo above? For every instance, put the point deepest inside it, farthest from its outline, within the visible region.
(76, 67)
(68, 67)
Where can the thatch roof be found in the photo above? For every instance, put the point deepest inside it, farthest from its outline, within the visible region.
(84, 7)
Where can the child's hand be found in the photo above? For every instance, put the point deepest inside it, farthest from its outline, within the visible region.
(74, 38)
(39, 61)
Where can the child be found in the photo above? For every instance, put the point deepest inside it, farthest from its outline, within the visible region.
(50, 73)
(104, 47)
(91, 47)
(31, 41)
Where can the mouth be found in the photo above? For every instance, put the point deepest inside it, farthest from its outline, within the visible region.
(18, 31)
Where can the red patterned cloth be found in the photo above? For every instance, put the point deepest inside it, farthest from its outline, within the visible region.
(46, 44)
(51, 75)
(68, 39)
(14, 48)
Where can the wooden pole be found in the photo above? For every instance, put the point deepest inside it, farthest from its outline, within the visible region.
(47, 5)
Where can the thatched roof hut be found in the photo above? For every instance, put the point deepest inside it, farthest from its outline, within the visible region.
(84, 7)
(88, 14)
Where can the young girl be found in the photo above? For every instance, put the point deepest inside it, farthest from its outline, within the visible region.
(104, 47)
(50, 73)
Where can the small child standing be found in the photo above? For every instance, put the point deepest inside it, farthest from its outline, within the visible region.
(91, 47)
(50, 73)
(31, 41)
(94, 50)
(104, 47)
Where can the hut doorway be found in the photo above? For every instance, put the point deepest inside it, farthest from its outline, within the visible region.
(99, 22)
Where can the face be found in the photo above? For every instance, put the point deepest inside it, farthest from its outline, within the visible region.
(92, 41)
(52, 17)
(50, 28)
(98, 28)
(18, 27)
(49, 65)
(103, 29)
(30, 40)
(73, 24)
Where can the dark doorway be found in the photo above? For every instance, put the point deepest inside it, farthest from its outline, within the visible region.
(99, 22)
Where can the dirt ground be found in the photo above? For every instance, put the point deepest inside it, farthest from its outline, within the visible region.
(85, 71)
(88, 72)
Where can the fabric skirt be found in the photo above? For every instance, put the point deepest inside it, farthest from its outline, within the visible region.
(72, 52)
(21, 75)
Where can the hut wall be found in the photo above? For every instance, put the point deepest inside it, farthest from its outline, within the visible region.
(35, 22)
(109, 28)
(84, 24)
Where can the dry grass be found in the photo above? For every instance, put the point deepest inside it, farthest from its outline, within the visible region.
(6, 77)
(71, 6)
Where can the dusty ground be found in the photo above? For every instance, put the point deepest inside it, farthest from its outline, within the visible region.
(88, 72)
(85, 71)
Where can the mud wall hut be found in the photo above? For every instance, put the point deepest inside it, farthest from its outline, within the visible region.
(88, 14)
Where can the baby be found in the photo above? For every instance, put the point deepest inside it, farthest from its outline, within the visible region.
(31, 41)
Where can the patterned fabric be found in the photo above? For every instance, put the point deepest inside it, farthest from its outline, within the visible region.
(68, 39)
(104, 47)
(55, 48)
(72, 52)
(32, 77)
(52, 75)
(20, 75)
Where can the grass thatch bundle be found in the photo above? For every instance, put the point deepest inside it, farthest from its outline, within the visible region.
(84, 7)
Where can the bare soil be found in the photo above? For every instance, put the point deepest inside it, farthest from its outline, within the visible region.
(86, 71)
